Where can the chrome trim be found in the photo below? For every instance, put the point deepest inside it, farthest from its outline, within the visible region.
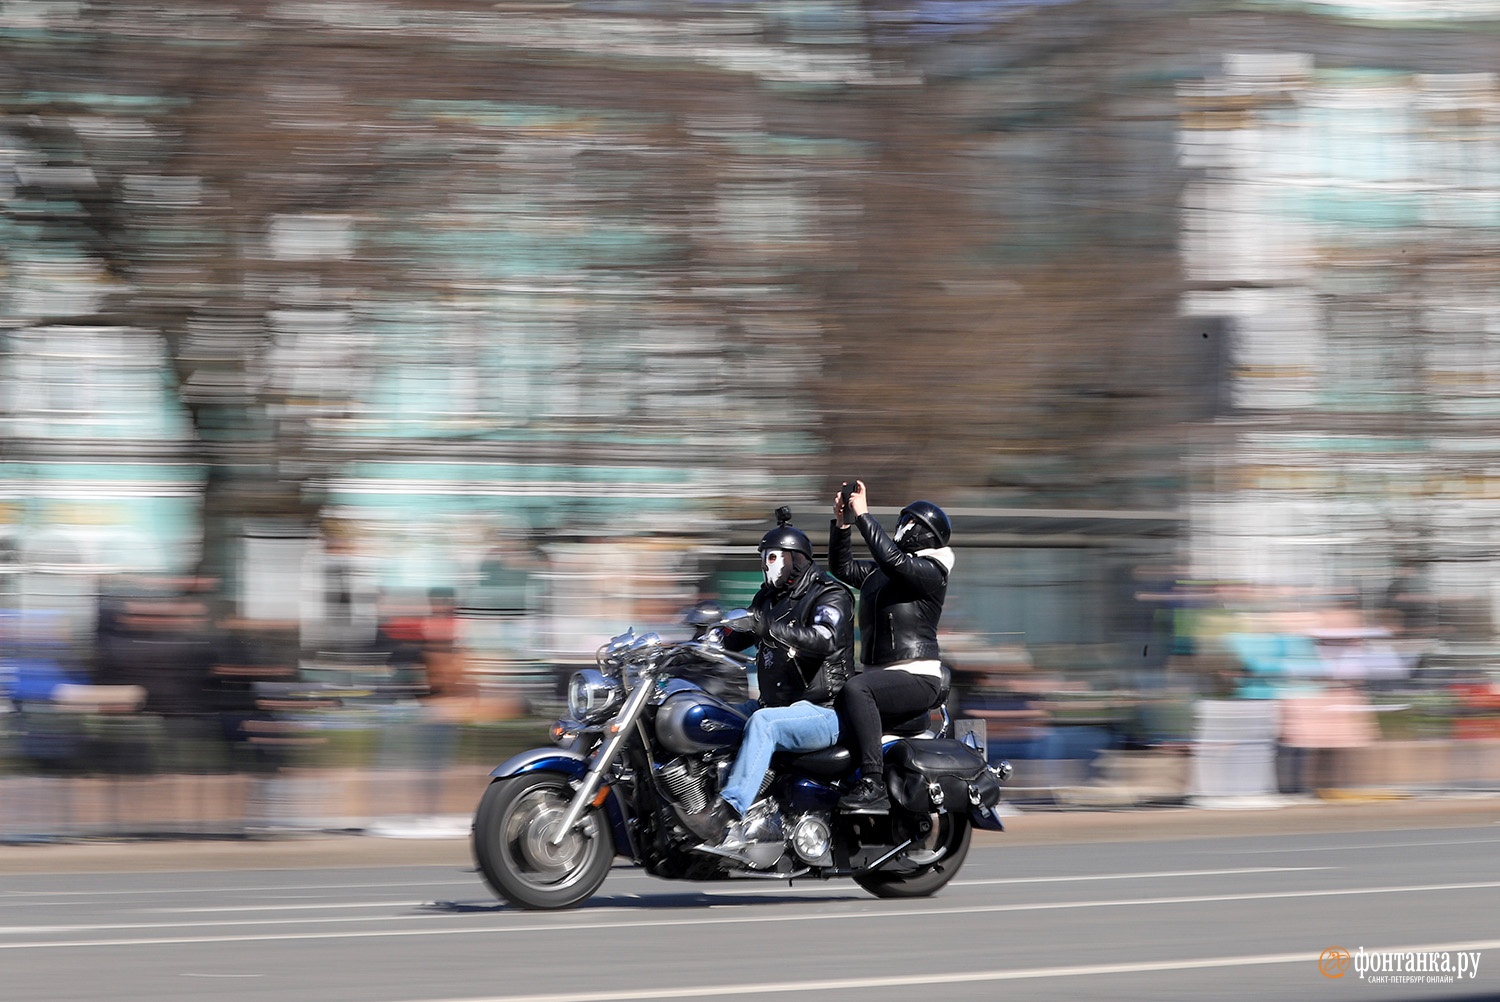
(620, 729)
(592, 695)
(890, 855)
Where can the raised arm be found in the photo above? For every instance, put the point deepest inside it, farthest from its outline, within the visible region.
(847, 503)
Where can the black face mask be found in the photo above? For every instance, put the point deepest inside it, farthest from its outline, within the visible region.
(912, 536)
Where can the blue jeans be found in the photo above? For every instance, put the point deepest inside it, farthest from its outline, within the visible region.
(801, 727)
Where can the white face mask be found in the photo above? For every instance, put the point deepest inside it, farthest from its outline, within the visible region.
(776, 564)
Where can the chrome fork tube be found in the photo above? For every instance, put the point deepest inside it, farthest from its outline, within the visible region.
(619, 729)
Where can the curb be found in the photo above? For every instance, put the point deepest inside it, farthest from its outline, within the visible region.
(181, 856)
(1254, 817)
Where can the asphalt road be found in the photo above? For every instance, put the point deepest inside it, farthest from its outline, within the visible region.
(1204, 916)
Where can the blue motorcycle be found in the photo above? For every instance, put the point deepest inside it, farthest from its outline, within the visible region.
(650, 738)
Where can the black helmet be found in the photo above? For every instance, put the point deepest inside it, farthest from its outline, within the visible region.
(786, 536)
(931, 518)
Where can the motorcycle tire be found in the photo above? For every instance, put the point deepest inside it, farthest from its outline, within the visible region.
(953, 835)
(512, 835)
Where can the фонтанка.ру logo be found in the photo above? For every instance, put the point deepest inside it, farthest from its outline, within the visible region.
(1400, 966)
(1334, 962)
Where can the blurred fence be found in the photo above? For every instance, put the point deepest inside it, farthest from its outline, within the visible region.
(396, 770)
(92, 771)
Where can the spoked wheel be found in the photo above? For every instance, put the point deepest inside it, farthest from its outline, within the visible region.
(513, 832)
(937, 859)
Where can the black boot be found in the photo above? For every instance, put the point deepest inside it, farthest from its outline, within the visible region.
(711, 822)
(867, 797)
(761, 822)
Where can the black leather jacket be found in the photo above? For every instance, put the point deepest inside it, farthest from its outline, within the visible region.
(806, 639)
(900, 594)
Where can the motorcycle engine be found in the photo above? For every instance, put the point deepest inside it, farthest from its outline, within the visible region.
(686, 783)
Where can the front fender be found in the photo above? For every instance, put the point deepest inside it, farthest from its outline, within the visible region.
(572, 765)
(569, 763)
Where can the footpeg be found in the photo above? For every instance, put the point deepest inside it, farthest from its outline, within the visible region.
(755, 855)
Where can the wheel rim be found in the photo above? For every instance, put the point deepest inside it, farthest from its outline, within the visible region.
(935, 845)
(526, 839)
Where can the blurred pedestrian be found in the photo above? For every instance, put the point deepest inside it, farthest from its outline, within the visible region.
(163, 643)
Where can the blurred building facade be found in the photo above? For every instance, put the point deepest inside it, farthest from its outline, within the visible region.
(554, 301)
(1341, 232)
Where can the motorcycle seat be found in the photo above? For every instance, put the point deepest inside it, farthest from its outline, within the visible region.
(825, 763)
(920, 724)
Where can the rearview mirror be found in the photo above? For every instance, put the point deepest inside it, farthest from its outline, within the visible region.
(738, 620)
(703, 615)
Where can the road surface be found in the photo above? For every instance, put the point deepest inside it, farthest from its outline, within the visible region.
(1201, 916)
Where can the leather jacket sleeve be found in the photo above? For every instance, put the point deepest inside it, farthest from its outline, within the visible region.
(758, 609)
(841, 562)
(829, 681)
(828, 638)
(921, 573)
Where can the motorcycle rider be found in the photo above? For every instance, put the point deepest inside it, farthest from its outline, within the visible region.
(901, 600)
(804, 632)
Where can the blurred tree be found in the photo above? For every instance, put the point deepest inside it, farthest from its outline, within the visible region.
(972, 279)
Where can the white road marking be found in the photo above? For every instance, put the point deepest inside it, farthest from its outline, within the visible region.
(6, 894)
(1366, 845)
(967, 977)
(329, 906)
(1133, 876)
(775, 887)
(564, 922)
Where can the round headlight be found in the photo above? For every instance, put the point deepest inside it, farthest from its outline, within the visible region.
(591, 695)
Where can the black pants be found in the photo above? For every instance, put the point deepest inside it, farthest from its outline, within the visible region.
(877, 697)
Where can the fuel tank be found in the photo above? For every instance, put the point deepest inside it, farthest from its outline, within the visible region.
(691, 721)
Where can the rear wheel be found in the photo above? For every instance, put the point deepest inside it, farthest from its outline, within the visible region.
(946, 846)
(513, 831)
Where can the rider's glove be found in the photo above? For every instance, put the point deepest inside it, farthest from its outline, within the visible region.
(761, 618)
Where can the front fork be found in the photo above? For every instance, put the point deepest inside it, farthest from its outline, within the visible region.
(618, 729)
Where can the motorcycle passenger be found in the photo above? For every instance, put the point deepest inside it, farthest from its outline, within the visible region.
(901, 600)
(804, 632)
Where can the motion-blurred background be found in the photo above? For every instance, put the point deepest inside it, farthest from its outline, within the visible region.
(364, 365)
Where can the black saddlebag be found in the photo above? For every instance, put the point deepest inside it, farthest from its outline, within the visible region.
(932, 775)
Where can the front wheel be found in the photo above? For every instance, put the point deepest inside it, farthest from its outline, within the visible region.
(948, 841)
(513, 831)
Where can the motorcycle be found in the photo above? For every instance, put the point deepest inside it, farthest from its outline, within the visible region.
(650, 739)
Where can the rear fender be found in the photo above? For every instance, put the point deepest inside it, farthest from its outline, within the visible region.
(574, 766)
(987, 818)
